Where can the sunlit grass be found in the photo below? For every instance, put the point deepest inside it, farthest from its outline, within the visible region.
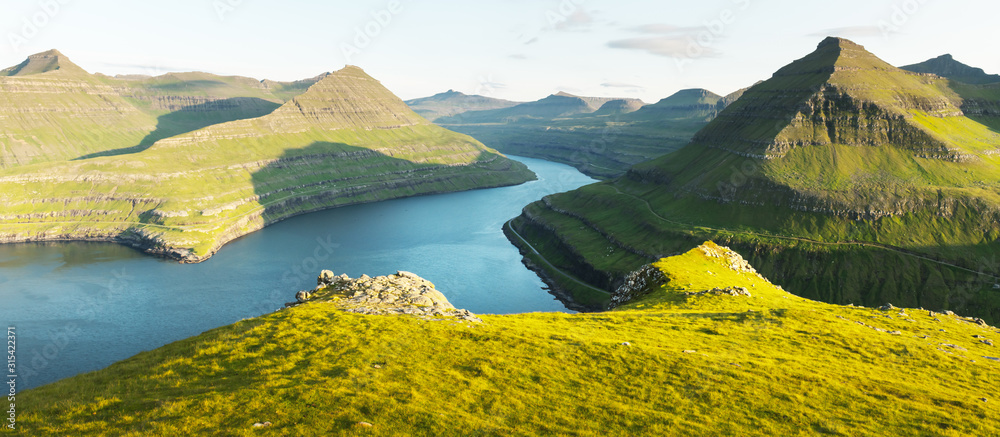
(773, 364)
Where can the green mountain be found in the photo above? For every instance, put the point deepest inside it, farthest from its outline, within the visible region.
(619, 107)
(601, 137)
(947, 66)
(560, 105)
(700, 344)
(345, 140)
(841, 177)
(53, 110)
(44, 62)
(453, 103)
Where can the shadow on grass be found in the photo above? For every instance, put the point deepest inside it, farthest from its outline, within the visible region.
(196, 117)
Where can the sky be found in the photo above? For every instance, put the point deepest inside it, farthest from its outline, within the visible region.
(518, 50)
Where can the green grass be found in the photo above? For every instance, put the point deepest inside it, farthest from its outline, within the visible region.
(346, 140)
(773, 364)
(842, 176)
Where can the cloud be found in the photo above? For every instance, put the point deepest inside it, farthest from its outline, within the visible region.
(669, 46)
(621, 85)
(667, 40)
(849, 31)
(148, 69)
(518, 56)
(666, 29)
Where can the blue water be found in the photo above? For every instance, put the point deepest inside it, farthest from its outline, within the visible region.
(78, 307)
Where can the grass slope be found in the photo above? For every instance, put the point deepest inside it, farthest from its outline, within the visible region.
(841, 177)
(345, 140)
(52, 110)
(770, 364)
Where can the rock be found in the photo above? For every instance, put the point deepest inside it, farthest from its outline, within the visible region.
(262, 424)
(886, 307)
(895, 333)
(364, 425)
(404, 293)
(949, 313)
(626, 344)
(728, 291)
(690, 352)
(987, 342)
(326, 277)
(958, 348)
(302, 296)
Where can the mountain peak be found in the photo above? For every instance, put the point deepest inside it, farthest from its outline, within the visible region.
(834, 54)
(44, 62)
(946, 66)
(564, 94)
(839, 42)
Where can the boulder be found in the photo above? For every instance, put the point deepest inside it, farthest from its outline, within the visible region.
(326, 277)
(302, 296)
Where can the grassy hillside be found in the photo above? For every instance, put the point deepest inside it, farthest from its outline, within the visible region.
(841, 177)
(674, 361)
(599, 136)
(345, 140)
(52, 110)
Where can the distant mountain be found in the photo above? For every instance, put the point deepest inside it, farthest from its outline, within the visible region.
(842, 177)
(619, 107)
(947, 66)
(682, 104)
(555, 106)
(600, 136)
(344, 140)
(452, 103)
(44, 62)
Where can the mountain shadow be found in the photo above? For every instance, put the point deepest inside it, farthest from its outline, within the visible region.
(192, 118)
(327, 175)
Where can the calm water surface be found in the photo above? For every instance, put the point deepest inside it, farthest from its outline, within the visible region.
(78, 307)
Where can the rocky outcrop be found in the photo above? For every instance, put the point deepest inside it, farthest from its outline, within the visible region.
(638, 284)
(404, 293)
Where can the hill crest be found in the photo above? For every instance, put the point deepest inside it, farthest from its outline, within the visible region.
(44, 62)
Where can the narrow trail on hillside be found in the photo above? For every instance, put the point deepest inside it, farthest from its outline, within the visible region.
(558, 270)
(806, 240)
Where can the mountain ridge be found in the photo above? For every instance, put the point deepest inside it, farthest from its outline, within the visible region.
(346, 139)
(839, 157)
(946, 66)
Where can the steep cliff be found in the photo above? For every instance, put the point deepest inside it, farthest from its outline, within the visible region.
(345, 140)
(843, 177)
